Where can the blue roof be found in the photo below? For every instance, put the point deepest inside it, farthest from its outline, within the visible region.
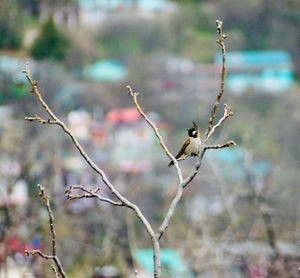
(243, 58)
(233, 163)
(114, 4)
(105, 70)
(172, 264)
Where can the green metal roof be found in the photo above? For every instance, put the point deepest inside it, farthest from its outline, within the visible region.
(172, 264)
(105, 70)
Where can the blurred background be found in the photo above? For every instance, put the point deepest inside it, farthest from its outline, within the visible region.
(238, 218)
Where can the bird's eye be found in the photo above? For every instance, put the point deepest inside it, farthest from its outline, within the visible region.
(194, 132)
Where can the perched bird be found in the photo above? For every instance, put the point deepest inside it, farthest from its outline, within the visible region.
(191, 146)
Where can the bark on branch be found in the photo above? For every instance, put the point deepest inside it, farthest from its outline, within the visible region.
(221, 42)
(54, 256)
(210, 130)
(155, 130)
(89, 193)
(80, 192)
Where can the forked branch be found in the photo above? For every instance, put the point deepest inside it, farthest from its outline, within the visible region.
(80, 192)
(221, 42)
(227, 113)
(210, 130)
(225, 145)
(53, 256)
(55, 120)
(89, 193)
(155, 130)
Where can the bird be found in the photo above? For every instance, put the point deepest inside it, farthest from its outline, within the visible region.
(191, 145)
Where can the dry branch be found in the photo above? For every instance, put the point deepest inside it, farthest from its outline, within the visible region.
(89, 193)
(123, 200)
(227, 113)
(92, 164)
(225, 145)
(53, 234)
(210, 130)
(120, 199)
(155, 130)
(221, 42)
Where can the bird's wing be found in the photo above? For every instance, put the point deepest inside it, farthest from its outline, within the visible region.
(183, 148)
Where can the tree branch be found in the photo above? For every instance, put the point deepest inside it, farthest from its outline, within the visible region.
(225, 145)
(40, 253)
(55, 271)
(210, 130)
(221, 42)
(91, 163)
(90, 193)
(40, 120)
(52, 230)
(227, 113)
(155, 130)
(122, 200)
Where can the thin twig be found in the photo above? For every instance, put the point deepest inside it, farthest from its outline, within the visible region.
(123, 201)
(40, 253)
(227, 113)
(40, 120)
(52, 230)
(50, 214)
(55, 271)
(155, 130)
(221, 42)
(91, 163)
(90, 193)
(210, 130)
(225, 145)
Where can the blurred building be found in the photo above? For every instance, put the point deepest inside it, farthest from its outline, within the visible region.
(106, 71)
(132, 141)
(261, 71)
(172, 263)
(172, 75)
(95, 12)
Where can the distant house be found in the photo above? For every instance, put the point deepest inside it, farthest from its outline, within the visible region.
(172, 263)
(13, 66)
(106, 71)
(262, 71)
(235, 166)
(132, 141)
(95, 12)
(175, 75)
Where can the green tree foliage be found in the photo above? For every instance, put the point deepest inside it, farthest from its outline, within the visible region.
(50, 44)
(10, 38)
(10, 31)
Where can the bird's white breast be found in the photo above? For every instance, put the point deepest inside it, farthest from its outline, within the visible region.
(194, 145)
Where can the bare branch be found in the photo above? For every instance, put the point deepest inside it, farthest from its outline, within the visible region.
(40, 120)
(40, 253)
(122, 200)
(155, 130)
(90, 193)
(55, 271)
(34, 90)
(91, 163)
(227, 113)
(221, 42)
(50, 214)
(210, 130)
(51, 224)
(225, 145)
